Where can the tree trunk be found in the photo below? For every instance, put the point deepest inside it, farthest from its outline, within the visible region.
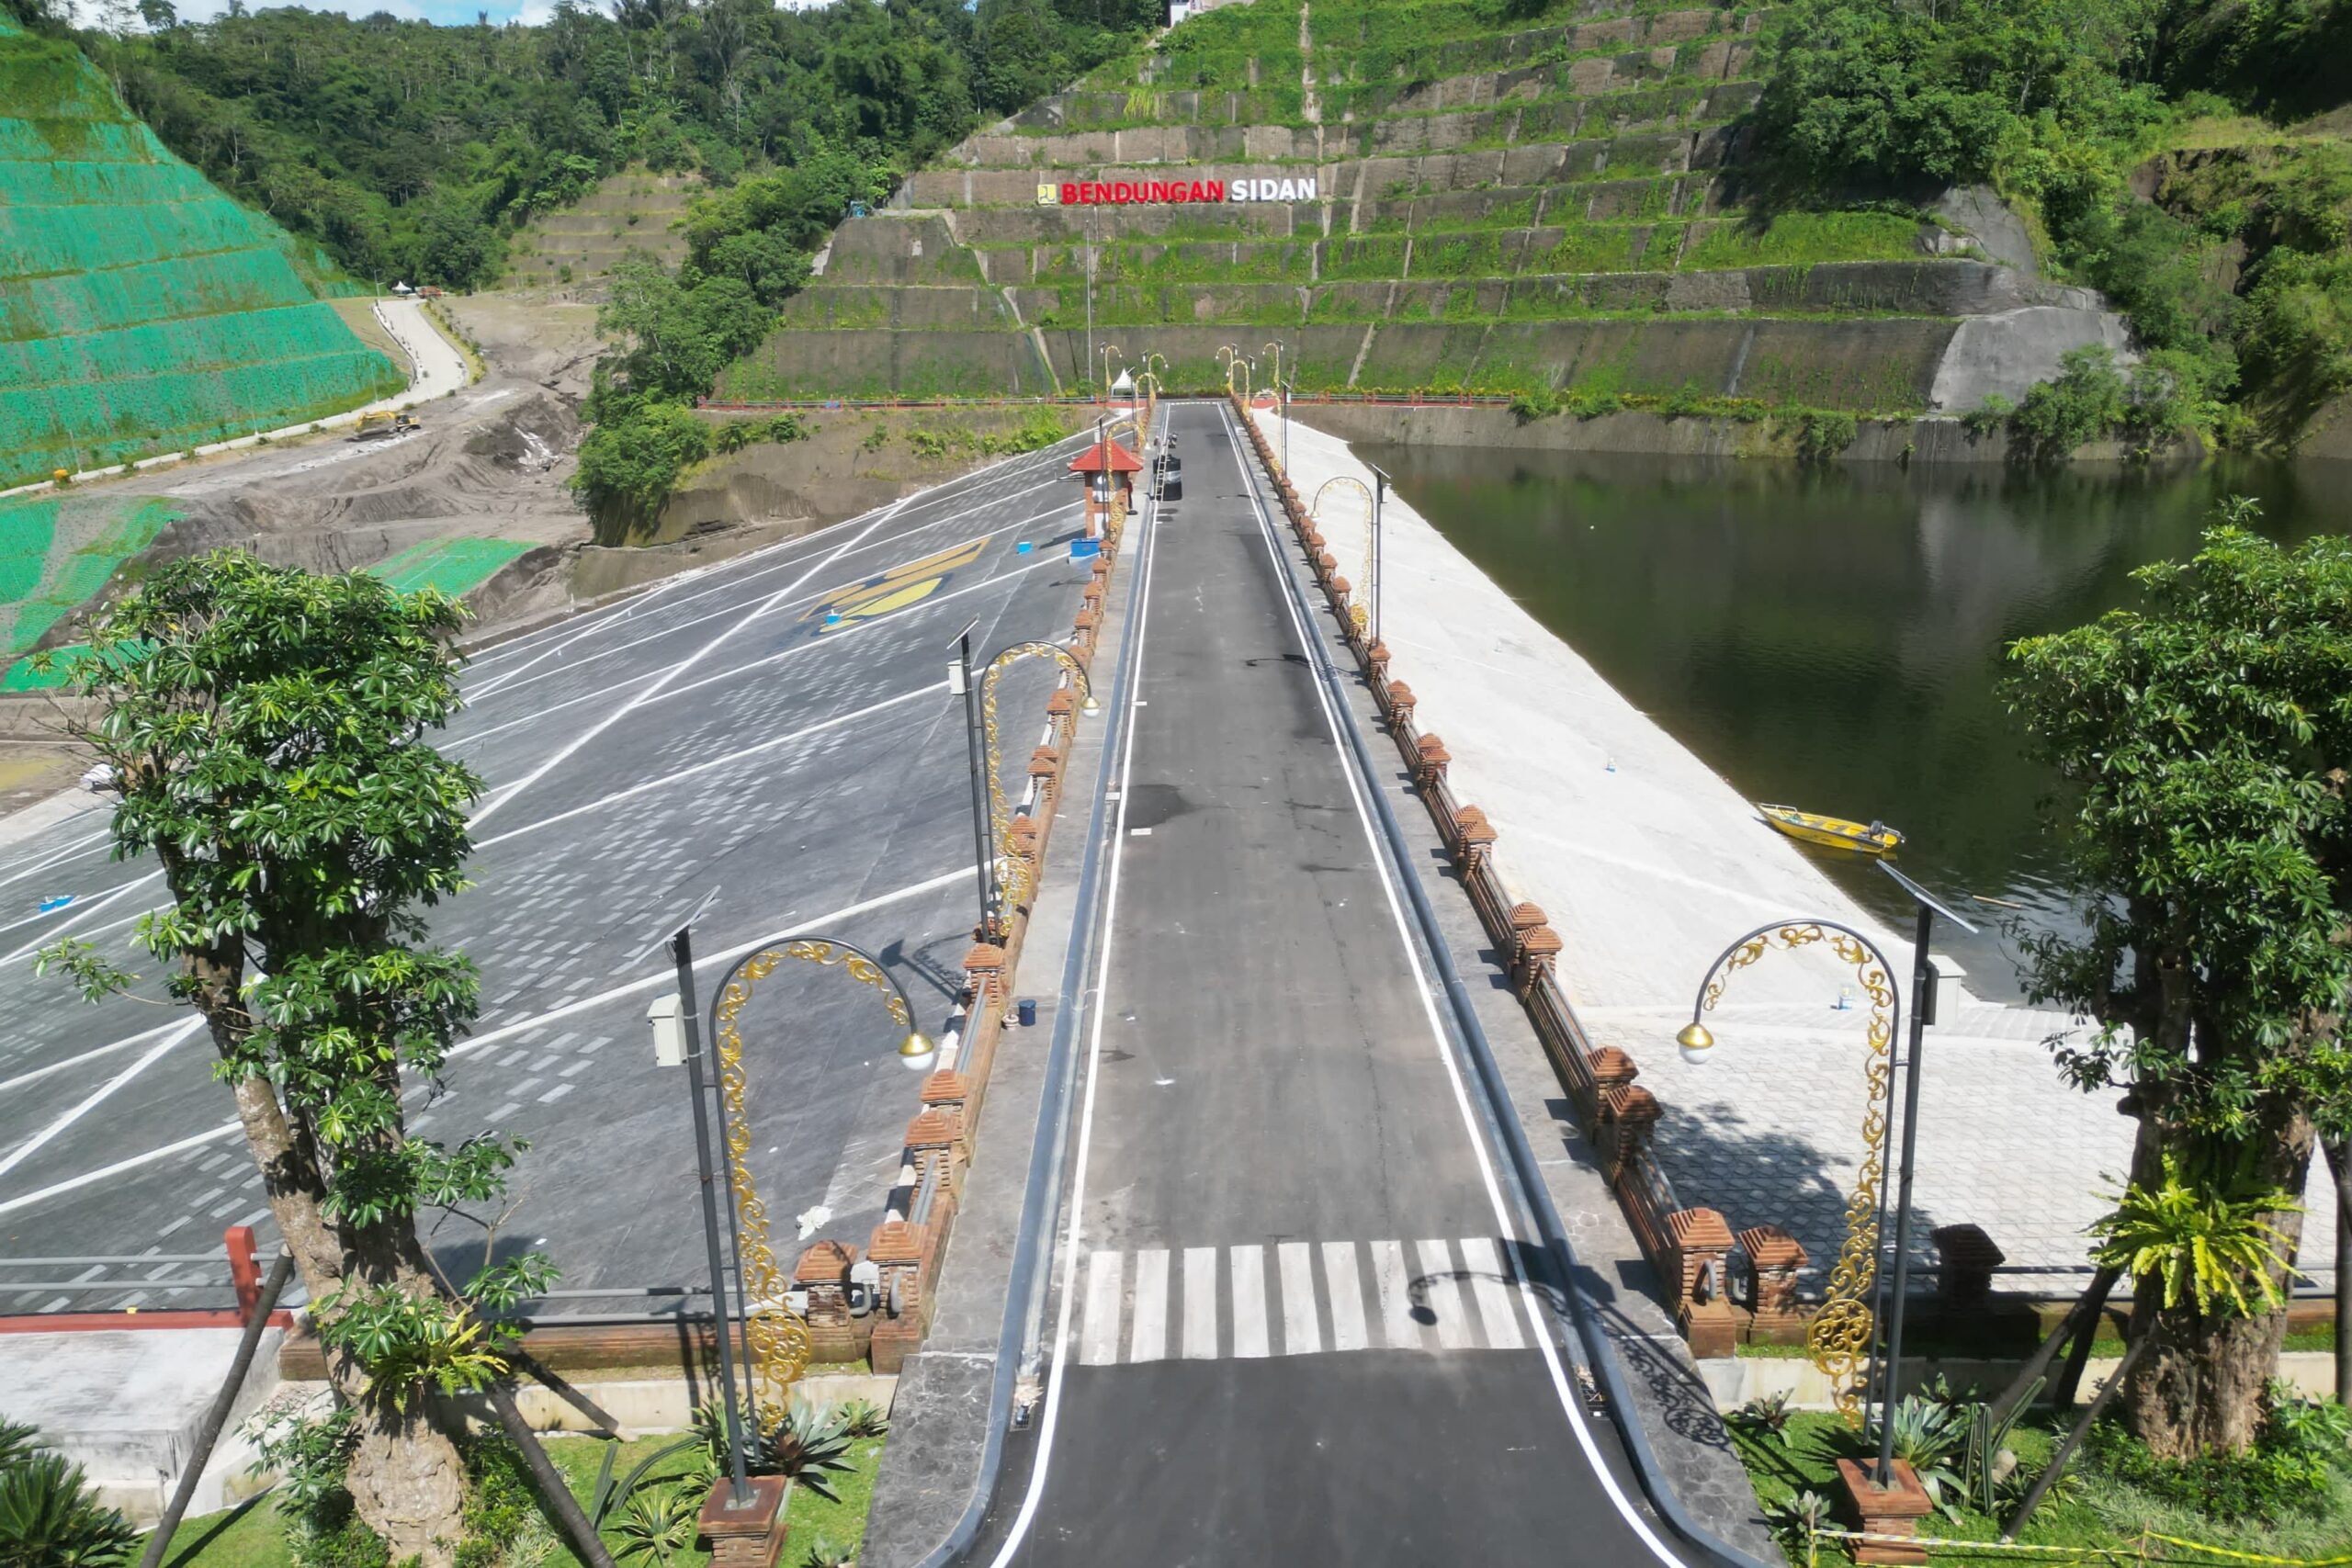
(408, 1482)
(2197, 1388)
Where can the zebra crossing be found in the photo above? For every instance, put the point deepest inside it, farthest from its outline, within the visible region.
(1299, 1298)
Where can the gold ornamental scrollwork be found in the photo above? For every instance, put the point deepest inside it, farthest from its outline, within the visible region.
(1840, 1337)
(775, 1337)
(1014, 874)
(1357, 612)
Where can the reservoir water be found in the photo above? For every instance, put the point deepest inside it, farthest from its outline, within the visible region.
(1832, 639)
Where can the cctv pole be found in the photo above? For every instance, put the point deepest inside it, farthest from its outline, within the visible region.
(739, 1493)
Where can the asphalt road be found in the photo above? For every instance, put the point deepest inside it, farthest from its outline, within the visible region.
(1292, 1321)
(718, 737)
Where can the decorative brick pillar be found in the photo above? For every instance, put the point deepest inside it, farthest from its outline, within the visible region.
(749, 1537)
(1627, 1114)
(1326, 564)
(1341, 589)
(1044, 762)
(1430, 760)
(1314, 540)
(896, 1249)
(1526, 918)
(1702, 1243)
(933, 1130)
(1400, 705)
(1087, 620)
(1021, 838)
(1093, 593)
(1894, 1510)
(823, 1273)
(1539, 953)
(244, 1268)
(985, 967)
(1061, 705)
(1473, 837)
(1773, 1258)
(1377, 655)
(1969, 1259)
(1612, 1068)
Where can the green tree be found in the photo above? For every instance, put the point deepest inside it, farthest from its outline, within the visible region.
(2209, 733)
(266, 732)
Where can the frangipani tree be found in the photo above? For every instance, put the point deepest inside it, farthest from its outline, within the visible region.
(2209, 733)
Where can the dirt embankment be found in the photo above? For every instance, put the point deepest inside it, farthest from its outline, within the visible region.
(850, 461)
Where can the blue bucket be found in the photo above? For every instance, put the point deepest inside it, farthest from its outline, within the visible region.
(1027, 1013)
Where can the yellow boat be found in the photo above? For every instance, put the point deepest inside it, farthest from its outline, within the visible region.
(1835, 832)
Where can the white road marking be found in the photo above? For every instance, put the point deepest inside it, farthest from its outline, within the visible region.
(79, 1057)
(26, 1149)
(664, 977)
(703, 767)
(82, 912)
(1490, 1287)
(1250, 1303)
(1395, 1287)
(1347, 1296)
(1294, 1261)
(1149, 1340)
(1099, 1341)
(1200, 1304)
(565, 753)
(1442, 1296)
(1578, 1421)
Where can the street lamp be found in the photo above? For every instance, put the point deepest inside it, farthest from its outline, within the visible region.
(992, 760)
(775, 1340)
(1844, 1329)
(1357, 612)
(960, 681)
(1380, 482)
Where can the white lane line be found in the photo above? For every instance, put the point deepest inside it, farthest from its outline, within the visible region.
(49, 859)
(567, 752)
(31, 1146)
(1149, 1341)
(522, 1026)
(86, 911)
(732, 570)
(607, 694)
(1099, 1341)
(79, 1057)
(1068, 1246)
(1248, 1303)
(1200, 1304)
(1441, 1295)
(1295, 1260)
(1580, 1421)
(1347, 1296)
(516, 679)
(1490, 1287)
(666, 780)
(1396, 1324)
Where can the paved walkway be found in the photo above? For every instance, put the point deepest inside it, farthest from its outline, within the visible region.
(1649, 864)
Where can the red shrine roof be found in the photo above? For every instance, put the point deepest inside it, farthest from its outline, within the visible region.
(1090, 460)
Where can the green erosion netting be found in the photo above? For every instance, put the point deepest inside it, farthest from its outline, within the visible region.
(455, 566)
(57, 553)
(141, 309)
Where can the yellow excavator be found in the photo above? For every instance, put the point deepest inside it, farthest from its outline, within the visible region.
(379, 426)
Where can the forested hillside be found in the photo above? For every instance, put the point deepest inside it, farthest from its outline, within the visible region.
(412, 150)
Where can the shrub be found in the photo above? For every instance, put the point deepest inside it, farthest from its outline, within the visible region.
(1540, 403)
(1990, 416)
(1823, 434)
(2264, 1483)
(635, 453)
(2082, 403)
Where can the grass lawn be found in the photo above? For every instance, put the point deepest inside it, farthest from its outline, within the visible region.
(2090, 1509)
(254, 1537)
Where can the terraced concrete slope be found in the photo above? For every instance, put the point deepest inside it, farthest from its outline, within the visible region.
(1412, 194)
(141, 309)
(634, 211)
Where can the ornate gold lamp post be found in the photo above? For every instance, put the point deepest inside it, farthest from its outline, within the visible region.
(775, 1338)
(1843, 1334)
(1357, 611)
(1009, 875)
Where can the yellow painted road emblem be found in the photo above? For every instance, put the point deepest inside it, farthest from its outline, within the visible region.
(910, 582)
